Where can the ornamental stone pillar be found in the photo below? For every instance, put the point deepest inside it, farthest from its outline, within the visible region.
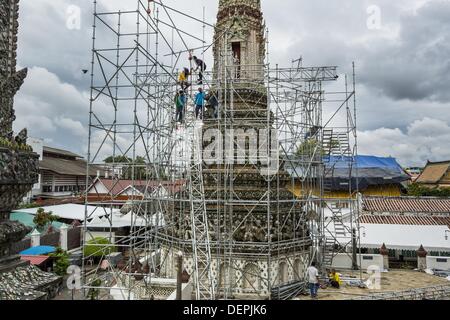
(422, 258)
(385, 253)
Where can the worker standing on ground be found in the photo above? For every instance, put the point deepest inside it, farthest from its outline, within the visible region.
(313, 275)
(335, 280)
(183, 79)
(202, 66)
(199, 103)
(180, 102)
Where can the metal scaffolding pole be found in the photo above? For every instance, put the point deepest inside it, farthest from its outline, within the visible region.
(244, 231)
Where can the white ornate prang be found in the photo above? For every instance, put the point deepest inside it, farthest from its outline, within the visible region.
(10, 79)
(19, 166)
(244, 20)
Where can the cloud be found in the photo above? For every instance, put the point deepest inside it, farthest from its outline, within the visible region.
(52, 110)
(402, 68)
(416, 64)
(426, 139)
(73, 127)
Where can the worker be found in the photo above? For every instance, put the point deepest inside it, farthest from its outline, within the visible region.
(180, 103)
(335, 279)
(199, 103)
(202, 66)
(183, 79)
(313, 275)
(213, 103)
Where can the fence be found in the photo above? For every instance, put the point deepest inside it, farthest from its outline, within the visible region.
(51, 239)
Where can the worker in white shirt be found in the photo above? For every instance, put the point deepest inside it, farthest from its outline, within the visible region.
(313, 275)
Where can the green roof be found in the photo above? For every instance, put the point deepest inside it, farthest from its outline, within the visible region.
(27, 219)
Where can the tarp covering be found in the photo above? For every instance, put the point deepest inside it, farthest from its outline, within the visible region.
(398, 236)
(37, 251)
(340, 171)
(370, 170)
(404, 237)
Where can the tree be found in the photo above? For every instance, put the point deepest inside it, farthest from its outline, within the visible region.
(118, 159)
(94, 291)
(42, 219)
(61, 262)
(139, 166)
(98, 247)
(417, 190)
(311, 146)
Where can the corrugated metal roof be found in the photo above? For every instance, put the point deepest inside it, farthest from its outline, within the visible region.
(61, 152)
(116, 187)
(406, 205)
(34, 260)
(405, 220)
(67, 167)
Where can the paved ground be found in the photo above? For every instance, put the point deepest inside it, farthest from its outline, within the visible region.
(394, 280)
(67, 294)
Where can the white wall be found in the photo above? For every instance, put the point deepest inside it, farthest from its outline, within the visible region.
(440, 263)
(186, 292)
(37, 145)
(344, 261)
(98, 188)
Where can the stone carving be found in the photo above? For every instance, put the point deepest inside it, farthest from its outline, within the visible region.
(244, 218)
(18, 172)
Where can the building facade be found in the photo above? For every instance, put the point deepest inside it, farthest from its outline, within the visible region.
(435, 175)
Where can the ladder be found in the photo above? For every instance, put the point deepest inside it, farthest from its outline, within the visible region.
(339, 235)
(335, 144)
(201, 251)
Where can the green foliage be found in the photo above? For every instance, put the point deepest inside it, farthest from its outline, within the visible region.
(311, 146)
(98, 247)
(42, 219)
(138, 169)
(29, 206)
(307, 148)
(61, 262)
(95, 291)
(5, 143)
(417, 190)
(118, 159)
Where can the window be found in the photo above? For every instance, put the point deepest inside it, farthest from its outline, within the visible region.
(236, 48)
(367, 258)
(441, 260)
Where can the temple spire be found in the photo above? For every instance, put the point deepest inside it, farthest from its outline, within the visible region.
(10, 80)
(255, 4)
(243, 43)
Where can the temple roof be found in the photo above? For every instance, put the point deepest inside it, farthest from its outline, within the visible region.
(26, 283)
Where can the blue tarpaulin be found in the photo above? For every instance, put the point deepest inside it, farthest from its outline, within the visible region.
(363, 162)
(364, 171)
(342, 172)
(37, 251)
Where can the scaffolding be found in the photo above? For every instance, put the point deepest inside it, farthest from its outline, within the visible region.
(248, 227)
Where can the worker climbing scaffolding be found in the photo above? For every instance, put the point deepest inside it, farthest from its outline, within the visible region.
(180, 104)
(200, 66)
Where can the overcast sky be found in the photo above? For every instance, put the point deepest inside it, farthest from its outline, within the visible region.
(402, 59)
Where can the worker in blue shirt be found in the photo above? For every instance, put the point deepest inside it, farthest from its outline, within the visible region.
(199, 103)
